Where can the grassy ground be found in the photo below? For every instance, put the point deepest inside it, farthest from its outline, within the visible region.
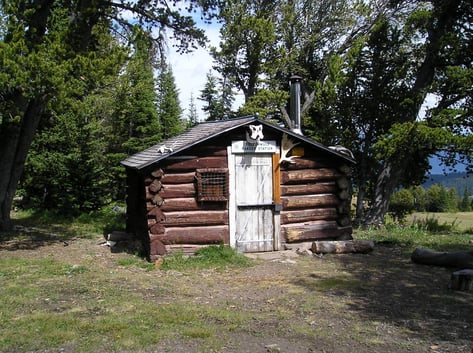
(62, 291)
(461, 220)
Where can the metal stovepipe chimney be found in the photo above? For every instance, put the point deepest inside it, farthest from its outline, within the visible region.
(295, 104)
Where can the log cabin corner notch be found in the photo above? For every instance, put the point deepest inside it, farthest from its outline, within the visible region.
(245, 182)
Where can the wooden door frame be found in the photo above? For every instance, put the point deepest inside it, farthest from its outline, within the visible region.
(232, 200)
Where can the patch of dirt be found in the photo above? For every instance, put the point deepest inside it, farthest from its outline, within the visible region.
(373, 302)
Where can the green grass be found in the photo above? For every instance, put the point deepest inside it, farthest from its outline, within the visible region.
(439, 232)
(462, 221)
(50, 304)
(213, 257)
(135, 261)
(86, 225)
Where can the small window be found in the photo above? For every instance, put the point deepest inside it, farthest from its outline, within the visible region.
(212, 184)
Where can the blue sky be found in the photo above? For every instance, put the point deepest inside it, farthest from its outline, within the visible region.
(190, 70)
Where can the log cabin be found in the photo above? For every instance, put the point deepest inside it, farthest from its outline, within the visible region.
(247, 183)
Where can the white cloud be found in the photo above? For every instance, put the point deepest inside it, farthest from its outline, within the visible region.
(190, 71)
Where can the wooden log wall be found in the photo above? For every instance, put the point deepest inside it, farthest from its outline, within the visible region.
(315, 198)
(314, 194)
(176, 220)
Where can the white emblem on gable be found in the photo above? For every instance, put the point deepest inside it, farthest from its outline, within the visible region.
(254, 134)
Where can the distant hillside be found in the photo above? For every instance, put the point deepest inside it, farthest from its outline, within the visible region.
(454, 180)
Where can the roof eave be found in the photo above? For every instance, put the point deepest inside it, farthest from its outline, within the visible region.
(309, 140)
(183, 148)
(244, 121)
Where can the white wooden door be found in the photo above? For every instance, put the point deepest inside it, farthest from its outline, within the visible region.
(254, 223)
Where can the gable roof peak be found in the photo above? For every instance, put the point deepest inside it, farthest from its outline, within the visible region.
(205, 131)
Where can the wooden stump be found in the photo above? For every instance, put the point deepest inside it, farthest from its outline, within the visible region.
(462, 280)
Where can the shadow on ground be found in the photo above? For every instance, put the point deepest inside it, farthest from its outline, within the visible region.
(31, 238)
(385, 286)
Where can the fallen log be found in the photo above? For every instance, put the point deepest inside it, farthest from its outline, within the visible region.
(462, 280)
(342, 246)
(459, 259)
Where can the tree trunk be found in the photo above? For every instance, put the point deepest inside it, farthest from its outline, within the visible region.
(443, 20)
(387, 180)
(16, 139)
(362, 181)
(16, 136)
(360, 198)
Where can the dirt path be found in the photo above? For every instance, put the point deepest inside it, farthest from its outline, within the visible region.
(346, 303)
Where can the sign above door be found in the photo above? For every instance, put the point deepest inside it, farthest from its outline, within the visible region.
(242, 146)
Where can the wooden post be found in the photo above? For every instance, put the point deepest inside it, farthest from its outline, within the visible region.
(462, 280)
(276, 179)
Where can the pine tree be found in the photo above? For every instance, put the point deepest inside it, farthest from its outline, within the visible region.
(465, 205)
(66, 169)
(74, 165)
(218, 97)
(192, 117)
(248, 38)
(227, 98)
(46, 46)
(134, 121)
(209, 95)
(169, 109)
(132, 117)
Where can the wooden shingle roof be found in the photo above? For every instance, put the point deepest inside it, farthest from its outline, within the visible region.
(203, 132)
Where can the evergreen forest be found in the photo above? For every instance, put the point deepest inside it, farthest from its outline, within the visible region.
(86, 83)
